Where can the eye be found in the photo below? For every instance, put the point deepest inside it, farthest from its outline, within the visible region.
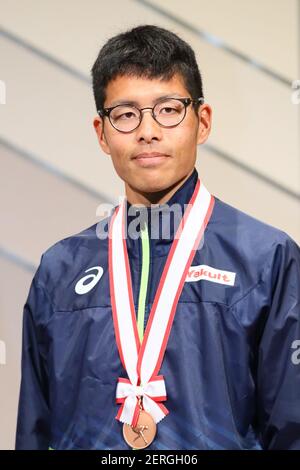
(169, 110)
(124, 113)
(127, 115)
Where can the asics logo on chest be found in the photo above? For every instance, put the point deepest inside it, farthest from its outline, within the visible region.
(86, 283)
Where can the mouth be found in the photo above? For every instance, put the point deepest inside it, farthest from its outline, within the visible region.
(150, 159)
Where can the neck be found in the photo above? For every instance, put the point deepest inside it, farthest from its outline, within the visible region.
(157, 197)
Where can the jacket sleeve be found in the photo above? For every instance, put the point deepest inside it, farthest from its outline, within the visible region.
(278, 372)
(33, 422)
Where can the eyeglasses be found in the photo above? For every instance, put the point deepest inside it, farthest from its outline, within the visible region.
(167, 113)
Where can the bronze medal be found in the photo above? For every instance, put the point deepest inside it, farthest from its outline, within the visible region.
(143, 434)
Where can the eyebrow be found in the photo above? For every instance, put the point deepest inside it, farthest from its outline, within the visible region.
(136, 103)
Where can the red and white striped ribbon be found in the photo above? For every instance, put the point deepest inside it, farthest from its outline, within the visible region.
(142, 361)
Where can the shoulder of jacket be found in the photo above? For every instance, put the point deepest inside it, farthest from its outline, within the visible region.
(63, 252)
(257, 235)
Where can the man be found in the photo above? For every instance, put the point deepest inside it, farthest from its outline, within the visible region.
(186, 338)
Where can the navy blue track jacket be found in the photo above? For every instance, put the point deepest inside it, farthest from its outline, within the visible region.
(232, 363)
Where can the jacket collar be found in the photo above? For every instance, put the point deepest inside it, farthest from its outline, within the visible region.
(162, 220)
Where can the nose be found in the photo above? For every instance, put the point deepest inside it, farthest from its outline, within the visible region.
(148, 129)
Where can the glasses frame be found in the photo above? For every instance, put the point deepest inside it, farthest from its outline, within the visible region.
(105, 112)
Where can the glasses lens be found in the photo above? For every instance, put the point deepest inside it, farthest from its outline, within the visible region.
(125, 118)
(169, 112)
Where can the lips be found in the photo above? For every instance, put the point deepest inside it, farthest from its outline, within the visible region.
(150, 155)
(150, 160)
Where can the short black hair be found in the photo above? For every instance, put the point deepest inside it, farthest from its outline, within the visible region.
(146, 51)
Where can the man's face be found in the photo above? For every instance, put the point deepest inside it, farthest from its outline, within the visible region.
(177, 144)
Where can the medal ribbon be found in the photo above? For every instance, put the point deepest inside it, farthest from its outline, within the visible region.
(142, 361)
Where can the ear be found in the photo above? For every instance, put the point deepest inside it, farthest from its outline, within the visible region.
(205, 120)
(98, 124)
